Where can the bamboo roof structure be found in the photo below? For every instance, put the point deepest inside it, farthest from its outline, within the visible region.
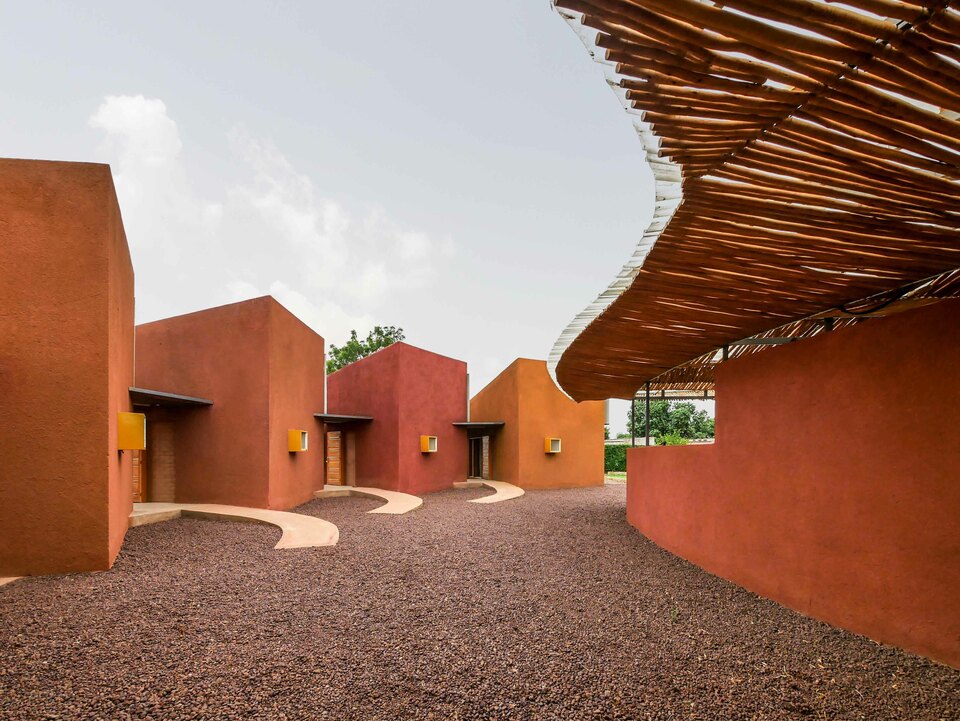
(807, 162)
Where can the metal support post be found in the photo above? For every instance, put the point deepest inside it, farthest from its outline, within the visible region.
(647, 431)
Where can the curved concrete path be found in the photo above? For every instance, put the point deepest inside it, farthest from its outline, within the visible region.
(299, 531)
(504, 491)
(396, 502)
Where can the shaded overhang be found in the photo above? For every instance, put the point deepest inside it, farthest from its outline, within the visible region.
(478, 429)
(807, 166)
(335, 419)
(681, 395)
(162, 399)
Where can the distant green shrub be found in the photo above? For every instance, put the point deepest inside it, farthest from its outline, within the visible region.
(615, 458)
(673, 439)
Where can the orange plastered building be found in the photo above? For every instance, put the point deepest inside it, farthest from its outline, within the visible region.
(546, 441)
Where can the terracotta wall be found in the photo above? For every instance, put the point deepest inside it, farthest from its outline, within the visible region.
(262, 368)
(120, 372)
(296, 393)
(369, 387)
(66, 359)
(160, 458)
(409, 392)
(433, 396)
(221, 354)
(533, 408)
(833, 484)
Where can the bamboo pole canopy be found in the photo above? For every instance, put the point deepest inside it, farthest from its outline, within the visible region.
(807, 163)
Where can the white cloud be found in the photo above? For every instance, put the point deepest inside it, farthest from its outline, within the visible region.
(238, 290)
(160, 211)
(141, 128)
(413, 246)
(270, 231)
(365, 259)
(328, 319)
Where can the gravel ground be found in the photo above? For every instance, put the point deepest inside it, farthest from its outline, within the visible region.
(547, 607)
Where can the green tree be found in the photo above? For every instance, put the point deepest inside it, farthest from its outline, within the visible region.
(615, 458)
(659, 419)
(702, 425)
(671, 418)
(355, 349)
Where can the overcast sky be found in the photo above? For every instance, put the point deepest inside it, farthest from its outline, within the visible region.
(458, 169)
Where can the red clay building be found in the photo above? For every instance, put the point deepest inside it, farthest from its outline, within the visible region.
(262, 368)
(382, 412)
(547, 440)
(832, 485)
(66, 362)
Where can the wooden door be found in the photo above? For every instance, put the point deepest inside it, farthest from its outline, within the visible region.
(139, 475)
(334, 459)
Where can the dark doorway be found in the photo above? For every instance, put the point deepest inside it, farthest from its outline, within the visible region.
(476, 458)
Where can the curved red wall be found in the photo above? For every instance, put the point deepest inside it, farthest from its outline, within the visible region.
(834, 484)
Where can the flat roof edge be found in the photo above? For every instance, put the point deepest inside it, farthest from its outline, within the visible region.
(146, 396)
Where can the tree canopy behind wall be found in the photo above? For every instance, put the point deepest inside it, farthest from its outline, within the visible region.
(355, 349)
(671, 418)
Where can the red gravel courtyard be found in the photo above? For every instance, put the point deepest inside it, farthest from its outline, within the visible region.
(547, 607)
